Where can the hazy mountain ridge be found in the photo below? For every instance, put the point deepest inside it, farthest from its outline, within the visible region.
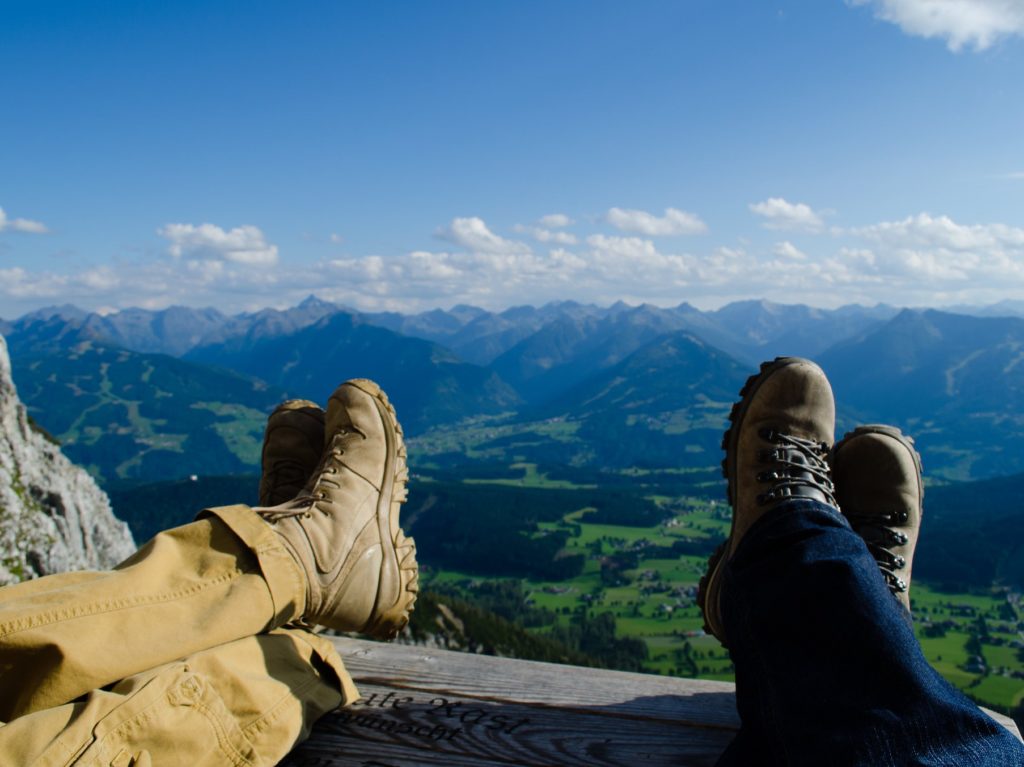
(665, 404)
(126, 414)
(749, 330)
(568, 350)
(955, 382)
(951, 380)
(173, 331)
(757, 327)
(427, 382)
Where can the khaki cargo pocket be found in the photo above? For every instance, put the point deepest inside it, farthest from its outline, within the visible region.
(176, 718)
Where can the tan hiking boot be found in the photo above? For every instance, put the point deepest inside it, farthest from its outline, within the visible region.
(775, 450)
(343, 532)
(877, 473)
(292, 446)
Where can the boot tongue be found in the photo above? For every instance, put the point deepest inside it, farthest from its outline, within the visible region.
(339, 518)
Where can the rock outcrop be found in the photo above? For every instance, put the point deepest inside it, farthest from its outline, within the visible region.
(53, 515)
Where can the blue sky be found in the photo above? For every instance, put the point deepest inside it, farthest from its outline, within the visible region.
(409, 155)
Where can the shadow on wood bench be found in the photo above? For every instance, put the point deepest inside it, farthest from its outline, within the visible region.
(435, 707)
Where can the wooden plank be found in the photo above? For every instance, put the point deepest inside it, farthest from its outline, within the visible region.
(450, 729)
(701, 702)
(434, 707)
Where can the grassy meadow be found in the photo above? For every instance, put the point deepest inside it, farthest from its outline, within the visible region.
(973, 639)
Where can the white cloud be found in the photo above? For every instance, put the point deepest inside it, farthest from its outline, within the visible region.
(555, 221)
(241, 245)
(559, 238)
(975, 23)
(622, 257)
(337, 239)
(540, 234)
(674, 222)
(605, 265)
(21, 225)
(919, 260)
(788, 250)
(781, 214)
(473, 235)
(19, 283)
(934, 257)
(942, 233)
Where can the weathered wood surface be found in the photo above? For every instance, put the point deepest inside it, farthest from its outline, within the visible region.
(445, 709)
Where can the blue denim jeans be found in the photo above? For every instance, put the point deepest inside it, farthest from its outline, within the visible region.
(828, 671)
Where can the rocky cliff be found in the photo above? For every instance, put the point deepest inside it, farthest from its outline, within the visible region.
(53, 516)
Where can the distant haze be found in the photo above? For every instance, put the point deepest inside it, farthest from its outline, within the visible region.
(144, 394)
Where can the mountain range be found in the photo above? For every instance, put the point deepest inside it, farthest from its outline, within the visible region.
(140, 393)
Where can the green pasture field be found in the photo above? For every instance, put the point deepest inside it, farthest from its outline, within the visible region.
(655, 601)
(531, 478)
(470, 438)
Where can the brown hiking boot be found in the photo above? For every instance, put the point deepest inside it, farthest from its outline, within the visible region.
(775, 450)
(343, 532)
(292, 445)
(877, 473)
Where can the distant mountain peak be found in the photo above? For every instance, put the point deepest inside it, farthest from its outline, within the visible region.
(313, 302)
(64, 311)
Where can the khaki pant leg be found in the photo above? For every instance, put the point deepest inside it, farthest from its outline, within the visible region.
(218, 579)
(248, 702)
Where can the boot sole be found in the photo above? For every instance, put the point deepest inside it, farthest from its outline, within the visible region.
(398, 584)
(709, 582)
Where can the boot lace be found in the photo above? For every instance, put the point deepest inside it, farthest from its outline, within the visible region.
(798, 465)
(304, 503)
(877, 531)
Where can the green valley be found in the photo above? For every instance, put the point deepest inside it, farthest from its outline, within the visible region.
(643, 573)
(600, 567)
